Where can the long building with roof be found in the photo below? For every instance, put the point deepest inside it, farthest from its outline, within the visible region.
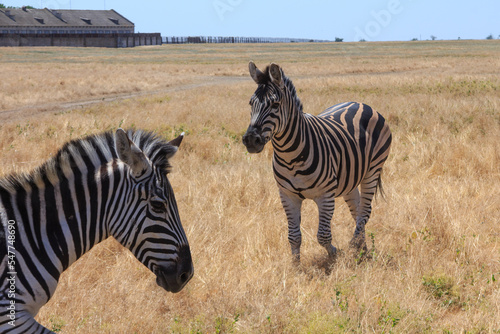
(44, 27)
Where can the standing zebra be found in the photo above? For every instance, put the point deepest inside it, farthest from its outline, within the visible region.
(318, 157)
(93, 188)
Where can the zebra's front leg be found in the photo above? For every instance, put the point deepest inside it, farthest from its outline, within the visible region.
(292, 205)
(326, 206)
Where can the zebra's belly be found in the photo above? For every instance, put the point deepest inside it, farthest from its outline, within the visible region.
(306, 186)
(318, 184)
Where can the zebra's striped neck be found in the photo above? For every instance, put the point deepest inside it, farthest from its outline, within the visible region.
(291, 133)
(292, 94)
(61, 200)
(74, 198)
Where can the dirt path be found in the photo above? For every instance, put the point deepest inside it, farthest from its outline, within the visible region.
(39, 109)
(28, 111)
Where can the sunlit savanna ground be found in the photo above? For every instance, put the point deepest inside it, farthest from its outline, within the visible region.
(434, 241)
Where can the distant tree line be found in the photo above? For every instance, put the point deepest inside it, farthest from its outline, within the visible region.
(490, 36)
(220, 40)
(12, 7)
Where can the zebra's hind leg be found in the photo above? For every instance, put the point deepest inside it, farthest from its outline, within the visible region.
(326, 206)
(292, 206)
(353, 201)
(368, 189)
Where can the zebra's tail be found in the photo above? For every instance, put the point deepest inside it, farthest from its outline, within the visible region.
(380, 189)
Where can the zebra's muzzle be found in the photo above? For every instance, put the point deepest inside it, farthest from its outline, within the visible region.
(253, 140)
(174, 276)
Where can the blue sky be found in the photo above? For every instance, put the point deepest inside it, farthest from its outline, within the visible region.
(352, 20)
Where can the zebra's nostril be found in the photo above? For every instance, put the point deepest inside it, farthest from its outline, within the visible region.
(184, 277)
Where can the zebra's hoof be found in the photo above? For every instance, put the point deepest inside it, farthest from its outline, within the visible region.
(358, 245)
(332, 252)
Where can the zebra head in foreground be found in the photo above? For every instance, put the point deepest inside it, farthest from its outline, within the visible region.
(157, 238)
(100, 186)
(338, 153)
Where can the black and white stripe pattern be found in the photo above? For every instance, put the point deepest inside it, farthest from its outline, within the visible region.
(96, 187)
(340, 152)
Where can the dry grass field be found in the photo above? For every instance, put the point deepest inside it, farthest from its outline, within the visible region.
(434, 241)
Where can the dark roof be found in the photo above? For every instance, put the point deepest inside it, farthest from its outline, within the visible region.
(24, 17)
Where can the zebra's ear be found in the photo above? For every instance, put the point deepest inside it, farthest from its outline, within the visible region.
(130, 154)
(255, 73)
(276, 75)
(175, 143)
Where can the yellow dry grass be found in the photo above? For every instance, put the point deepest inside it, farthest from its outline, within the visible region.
(434, 241)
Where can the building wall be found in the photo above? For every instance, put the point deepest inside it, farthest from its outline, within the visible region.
(65, 30)
(81, 40)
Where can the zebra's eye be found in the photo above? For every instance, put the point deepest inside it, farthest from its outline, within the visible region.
(275, 105)
(157, 206)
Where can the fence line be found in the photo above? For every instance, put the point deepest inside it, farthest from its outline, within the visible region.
(218, 39)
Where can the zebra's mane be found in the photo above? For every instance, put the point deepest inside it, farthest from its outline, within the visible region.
(94, 151)
(265, 80)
